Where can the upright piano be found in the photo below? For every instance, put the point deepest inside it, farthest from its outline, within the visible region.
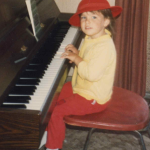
(31, 71)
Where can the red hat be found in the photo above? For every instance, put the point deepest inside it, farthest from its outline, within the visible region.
(92, 5)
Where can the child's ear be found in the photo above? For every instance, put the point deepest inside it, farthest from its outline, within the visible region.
(107, 22)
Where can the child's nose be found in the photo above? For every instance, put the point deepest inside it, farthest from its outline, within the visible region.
(87, 21)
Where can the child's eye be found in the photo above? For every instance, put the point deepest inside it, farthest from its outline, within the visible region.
(94, 17)
(82, 17)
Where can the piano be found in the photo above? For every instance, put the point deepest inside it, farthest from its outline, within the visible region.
(31, 71)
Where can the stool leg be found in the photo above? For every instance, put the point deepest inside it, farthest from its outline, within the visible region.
(142, 140)
(148, 129)
(88, 138)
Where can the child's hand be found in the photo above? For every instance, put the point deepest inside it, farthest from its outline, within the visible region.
(72, 49)
(69, 55)
(72, 57)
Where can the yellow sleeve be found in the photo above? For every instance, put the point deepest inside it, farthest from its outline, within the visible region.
(93, 68)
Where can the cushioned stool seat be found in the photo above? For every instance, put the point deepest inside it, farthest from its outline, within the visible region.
(127, 111)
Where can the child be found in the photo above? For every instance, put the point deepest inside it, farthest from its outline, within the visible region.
(92, 82)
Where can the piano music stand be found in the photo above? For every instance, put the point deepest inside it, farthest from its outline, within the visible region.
(127, 112)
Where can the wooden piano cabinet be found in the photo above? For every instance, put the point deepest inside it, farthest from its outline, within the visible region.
(22, 127)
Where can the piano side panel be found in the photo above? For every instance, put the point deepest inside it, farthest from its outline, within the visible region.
(23, 130)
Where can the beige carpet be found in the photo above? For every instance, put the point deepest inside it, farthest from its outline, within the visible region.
(104, 140)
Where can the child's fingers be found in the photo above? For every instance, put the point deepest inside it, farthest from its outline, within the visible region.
(64, 55)
(71, 49)
(70, 46)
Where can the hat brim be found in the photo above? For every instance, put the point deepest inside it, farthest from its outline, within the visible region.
(75, 19)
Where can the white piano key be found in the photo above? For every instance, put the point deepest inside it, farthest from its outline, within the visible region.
(61, 49)
(19, 95)
(14, 103)
(57, 55)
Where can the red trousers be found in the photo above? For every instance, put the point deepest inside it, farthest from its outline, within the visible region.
(68, 104)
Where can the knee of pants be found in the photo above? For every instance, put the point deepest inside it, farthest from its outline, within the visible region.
(58, 112)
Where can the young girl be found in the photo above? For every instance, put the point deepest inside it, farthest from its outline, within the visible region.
(92, 81)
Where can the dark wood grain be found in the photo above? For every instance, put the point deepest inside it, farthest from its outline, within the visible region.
(19, 129)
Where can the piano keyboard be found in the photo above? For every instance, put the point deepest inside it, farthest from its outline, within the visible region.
(33, 88)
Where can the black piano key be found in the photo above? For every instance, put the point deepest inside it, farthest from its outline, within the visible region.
(64, 26)
(17, 101)
(58, 39)
(49, 53)
(49, 49)
(32, 74)
(29, 93)
(37, 61)
(44, 56)
(36, 67)
(21, 90)
(17, 98)
(13, 106)
(61, 31)
(25, 82)
(60, 34)
(41, 60)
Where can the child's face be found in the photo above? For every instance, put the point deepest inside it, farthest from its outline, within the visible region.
(93, 24)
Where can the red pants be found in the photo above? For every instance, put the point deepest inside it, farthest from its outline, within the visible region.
(68, 104)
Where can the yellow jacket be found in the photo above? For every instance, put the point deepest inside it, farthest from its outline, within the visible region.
(94, 76)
